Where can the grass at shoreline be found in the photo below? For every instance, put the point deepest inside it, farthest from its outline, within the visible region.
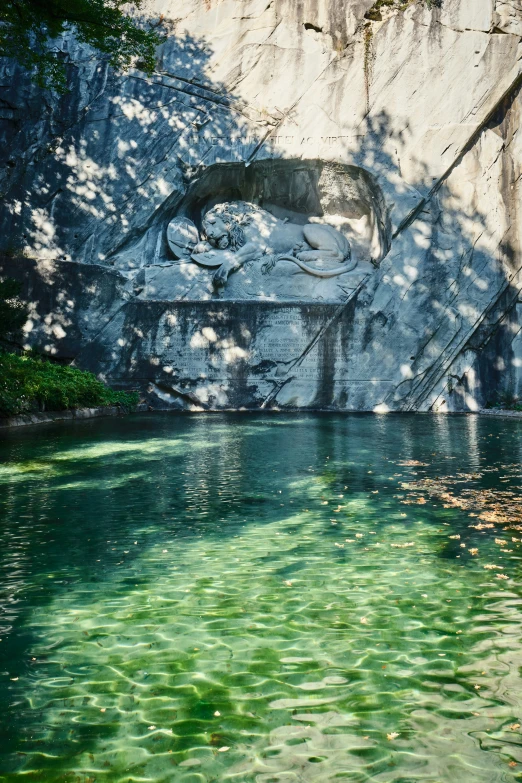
(29, 384)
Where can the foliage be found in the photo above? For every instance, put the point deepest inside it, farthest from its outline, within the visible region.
(28, 384)
(374, 13)
(505, 402)
(27, 28)
(13, 312)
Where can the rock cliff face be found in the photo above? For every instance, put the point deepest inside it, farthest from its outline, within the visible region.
(396, 124)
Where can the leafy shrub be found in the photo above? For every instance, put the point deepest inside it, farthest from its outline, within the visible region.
(30, 384)
(374, 13)
(505, 402)
(13, 312)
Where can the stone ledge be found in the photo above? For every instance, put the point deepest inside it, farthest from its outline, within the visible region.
(495, 412)
(70, 415)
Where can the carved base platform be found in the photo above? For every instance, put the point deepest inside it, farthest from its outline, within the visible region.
(234, 355)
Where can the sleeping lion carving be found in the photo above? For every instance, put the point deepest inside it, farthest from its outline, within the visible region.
(238, 232)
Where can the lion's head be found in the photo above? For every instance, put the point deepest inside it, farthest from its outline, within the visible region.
(223, 223)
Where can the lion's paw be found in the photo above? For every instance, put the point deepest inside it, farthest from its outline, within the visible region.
(268, 265)
(300, 246)
(221, 276)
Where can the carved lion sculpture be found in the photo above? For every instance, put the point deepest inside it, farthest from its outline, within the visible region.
(238, 232)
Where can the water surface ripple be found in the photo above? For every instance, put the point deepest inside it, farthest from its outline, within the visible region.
(260, 599)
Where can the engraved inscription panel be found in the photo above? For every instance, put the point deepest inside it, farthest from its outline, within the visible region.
(214, 346)
(221, 355)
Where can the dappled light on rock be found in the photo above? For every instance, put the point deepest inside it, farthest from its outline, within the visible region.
(380, 139)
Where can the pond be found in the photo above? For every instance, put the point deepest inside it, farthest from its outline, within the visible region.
(262, 599)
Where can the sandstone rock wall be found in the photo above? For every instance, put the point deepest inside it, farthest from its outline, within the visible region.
(424, 102)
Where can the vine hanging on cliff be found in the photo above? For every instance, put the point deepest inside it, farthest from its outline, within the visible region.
(368, 35)
(29, 29)
(374, 14)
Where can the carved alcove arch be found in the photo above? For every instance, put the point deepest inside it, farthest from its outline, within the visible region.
(346, 197)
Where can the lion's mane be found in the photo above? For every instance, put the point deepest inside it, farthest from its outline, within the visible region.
(234, 215)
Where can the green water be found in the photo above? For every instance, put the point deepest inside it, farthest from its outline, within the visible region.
(247, 598)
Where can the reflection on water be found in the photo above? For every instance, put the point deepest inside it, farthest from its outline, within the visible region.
(247, 598)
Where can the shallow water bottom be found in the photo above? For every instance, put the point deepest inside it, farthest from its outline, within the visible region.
(277, 599)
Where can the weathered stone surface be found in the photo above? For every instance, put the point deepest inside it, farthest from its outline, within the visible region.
(79, 414)
(403, 132)
(231, 355)
(69, 303)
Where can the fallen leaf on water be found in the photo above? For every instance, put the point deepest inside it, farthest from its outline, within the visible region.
(457, 536)
(151, 728)
(490, 567)
(502, 576)
(473, 551)
(392, 735)
(364, 621)
(514, 726)
(223, 749)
